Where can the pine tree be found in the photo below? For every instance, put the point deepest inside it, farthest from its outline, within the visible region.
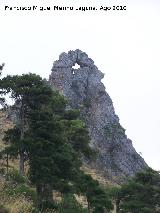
(78, 135)
(97, 199)
(53, 139)
(141, 193)
(70, 205)
(20, 89)
(54, 145)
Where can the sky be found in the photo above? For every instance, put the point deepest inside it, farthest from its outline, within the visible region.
(125, 46)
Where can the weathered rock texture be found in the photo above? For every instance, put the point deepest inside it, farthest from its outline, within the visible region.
(117, 158)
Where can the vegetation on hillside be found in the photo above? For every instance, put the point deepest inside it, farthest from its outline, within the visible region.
(49, 142)
(141, 194)
(50, 138)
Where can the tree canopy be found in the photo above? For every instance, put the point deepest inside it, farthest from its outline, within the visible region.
(141, 193)
(51, 138)
(54, 140)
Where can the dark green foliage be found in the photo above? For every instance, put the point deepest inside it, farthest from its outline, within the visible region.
(21, 89)
(20, 189)
(70, 205)
(16, 178)
(56, 158)
(98, 200)
(71, 114)
(2, 171)
(17, 185)
(78, 137)
(141, 194)
(52, 139)
(20, 86)
(113, 191)
(54, 142)
(12, 138)
(47, 206)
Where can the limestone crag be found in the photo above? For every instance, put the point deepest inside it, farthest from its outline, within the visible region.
(84, 90)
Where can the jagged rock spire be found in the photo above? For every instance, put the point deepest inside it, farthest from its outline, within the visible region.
(84, 90)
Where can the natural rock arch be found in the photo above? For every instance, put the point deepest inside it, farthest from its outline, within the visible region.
(84, 90)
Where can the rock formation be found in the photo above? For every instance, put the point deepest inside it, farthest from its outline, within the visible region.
(117, 158)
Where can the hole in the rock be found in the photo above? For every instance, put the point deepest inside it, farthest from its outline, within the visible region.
(76, 66)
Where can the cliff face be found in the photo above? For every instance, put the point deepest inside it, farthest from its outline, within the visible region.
(84, 90)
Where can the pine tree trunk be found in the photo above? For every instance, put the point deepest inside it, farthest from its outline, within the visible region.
(47, 191)
(117, 205)
(89, 207)
(21, 149)
(21, 164)
(39, 194)
(44, 194)
(7, 164)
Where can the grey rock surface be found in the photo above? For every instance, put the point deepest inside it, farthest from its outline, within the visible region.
(117, 158)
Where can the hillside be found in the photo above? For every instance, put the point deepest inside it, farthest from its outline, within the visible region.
(116, 157)
(12, 199)
(17, 194)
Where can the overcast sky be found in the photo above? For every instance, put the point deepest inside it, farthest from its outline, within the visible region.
(125, 45)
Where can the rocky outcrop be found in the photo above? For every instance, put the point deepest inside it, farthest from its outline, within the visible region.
(117, 158)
